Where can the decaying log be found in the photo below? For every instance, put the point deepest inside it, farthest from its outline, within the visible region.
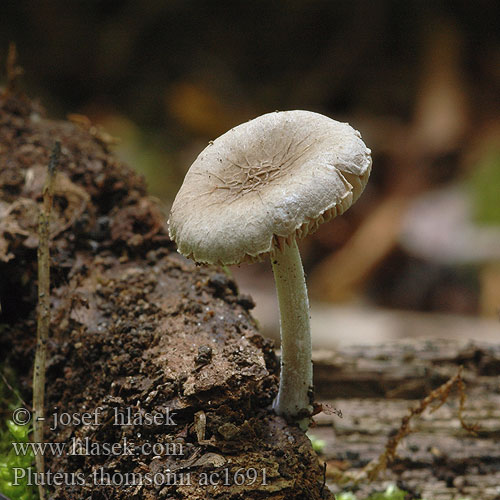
(136, 330)
(374, 386)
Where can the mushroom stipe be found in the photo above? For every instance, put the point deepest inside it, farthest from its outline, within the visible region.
(252, 193)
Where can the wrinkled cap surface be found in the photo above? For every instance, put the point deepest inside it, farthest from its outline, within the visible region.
(265, 182)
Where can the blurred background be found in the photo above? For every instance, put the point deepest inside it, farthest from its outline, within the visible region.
(419, 253)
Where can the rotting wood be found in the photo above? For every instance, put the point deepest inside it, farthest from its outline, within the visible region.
(438, 459)
(131, 323)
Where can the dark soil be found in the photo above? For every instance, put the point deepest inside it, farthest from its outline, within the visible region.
(135, 329)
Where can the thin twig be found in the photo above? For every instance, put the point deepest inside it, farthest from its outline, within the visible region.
(14, 391)
(441, 394)
(13, 70)
(43, 320)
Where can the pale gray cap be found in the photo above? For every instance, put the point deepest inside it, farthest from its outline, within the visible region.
(265, 182)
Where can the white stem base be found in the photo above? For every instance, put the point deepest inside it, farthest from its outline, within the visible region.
(295, 390)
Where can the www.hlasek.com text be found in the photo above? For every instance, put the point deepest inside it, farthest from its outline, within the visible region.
(87, 447)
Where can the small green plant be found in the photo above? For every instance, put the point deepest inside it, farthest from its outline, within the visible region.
(318, 445)
(392, 492)
(346, 496)
(10, 461)
(12, 433)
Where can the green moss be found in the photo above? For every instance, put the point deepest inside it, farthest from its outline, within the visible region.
(9, 459)
(391, 493)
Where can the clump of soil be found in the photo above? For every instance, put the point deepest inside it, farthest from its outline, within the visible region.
(160, 359)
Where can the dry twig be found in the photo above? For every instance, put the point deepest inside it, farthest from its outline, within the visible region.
(43, 320)
(13, 70)
(371, 471)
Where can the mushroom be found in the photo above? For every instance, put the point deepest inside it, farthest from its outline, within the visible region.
(253, 192)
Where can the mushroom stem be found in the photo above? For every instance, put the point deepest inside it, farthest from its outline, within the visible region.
(294, 396)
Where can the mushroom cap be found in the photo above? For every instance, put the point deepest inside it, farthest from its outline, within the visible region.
(265, 182)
